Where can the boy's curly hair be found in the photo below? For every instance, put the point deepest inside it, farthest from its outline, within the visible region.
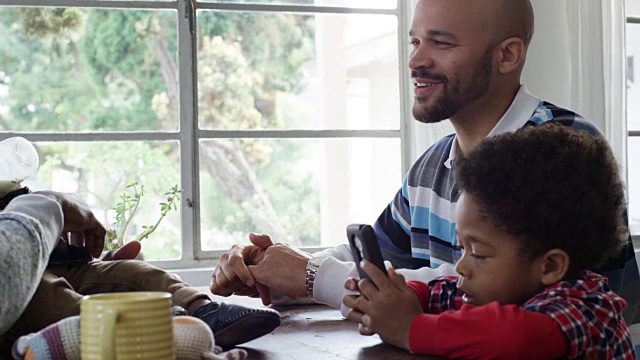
(551, 187)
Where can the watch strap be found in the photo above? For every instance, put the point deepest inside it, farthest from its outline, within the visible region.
(312, 270)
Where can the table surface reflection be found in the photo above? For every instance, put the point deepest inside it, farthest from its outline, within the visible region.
(312, 332)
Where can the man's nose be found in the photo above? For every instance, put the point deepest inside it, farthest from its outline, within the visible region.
(420, 57)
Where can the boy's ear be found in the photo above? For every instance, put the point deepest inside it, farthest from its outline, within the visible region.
(554, 265)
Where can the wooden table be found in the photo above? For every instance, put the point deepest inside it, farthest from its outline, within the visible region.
(311, 332)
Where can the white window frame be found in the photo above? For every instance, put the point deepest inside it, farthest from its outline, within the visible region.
(189, 134)
(633, 133)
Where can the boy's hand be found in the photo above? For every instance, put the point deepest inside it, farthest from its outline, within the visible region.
(354, 314)
(387, 306)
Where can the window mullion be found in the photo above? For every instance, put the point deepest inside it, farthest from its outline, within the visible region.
(187, 65)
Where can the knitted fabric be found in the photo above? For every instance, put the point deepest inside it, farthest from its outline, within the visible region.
(192, 340)
(57, 341)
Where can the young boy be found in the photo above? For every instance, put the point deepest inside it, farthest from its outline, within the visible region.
(538, 207)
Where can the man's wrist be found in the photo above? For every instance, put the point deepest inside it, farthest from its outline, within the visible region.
(312, 270)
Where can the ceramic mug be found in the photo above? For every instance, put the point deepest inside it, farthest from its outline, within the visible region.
(127, 325)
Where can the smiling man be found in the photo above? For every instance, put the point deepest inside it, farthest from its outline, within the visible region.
(466, 62)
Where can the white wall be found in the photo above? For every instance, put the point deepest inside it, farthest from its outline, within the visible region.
(547, 73)
(576, 61)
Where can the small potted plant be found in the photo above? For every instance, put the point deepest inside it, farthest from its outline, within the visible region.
(127, 208)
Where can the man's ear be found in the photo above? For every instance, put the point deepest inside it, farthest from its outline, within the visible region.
(554, 265)
(511, 55)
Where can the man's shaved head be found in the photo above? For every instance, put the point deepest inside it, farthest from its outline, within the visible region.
(498, 19)
(514, 18)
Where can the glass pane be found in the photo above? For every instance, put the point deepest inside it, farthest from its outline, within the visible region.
(633, 77)
(303, 192)
(633, 173)
(83, 70)
(288, 71)
(99, 172)
(632, 7)
(370, 4)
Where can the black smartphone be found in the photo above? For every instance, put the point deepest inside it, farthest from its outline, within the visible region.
(364, 245)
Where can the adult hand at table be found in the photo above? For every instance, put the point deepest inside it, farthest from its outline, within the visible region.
(232, 276)
(386, 307)
(283, 269)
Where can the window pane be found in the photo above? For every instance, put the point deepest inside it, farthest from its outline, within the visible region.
(76, 69)
(304, 192)
(371, 4)
(99, 172)
(633, 76)
(288, 71)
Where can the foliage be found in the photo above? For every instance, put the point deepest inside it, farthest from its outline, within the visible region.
(127, 209)
(93, 70)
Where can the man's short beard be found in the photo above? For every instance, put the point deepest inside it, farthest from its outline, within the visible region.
(458, 96)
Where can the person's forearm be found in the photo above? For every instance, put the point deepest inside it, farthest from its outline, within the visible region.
(329, 283)
(336, 268)
(44, 210)
(490, 331)
(29, 230)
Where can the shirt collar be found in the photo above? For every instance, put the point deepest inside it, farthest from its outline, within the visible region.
(520, 111)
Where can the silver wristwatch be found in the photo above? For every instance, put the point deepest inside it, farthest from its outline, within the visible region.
(312, 269)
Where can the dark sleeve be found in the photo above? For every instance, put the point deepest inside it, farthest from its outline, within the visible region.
(4, 201)
(491, 331)
(624, 278)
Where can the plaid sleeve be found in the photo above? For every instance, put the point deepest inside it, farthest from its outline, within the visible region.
(443, 295)
(590, 319)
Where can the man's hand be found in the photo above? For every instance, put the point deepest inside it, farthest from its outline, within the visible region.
(232, 276)
(283, 269)
(81, 228)
(386, 307)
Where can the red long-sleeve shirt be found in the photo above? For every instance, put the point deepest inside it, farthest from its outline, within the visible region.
(573, 318)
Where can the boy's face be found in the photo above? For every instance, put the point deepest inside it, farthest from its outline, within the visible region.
(491, 267)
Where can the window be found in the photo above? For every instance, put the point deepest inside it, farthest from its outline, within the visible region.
(282, 117)
(633, 114)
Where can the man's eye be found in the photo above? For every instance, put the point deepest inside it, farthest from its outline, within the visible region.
(478, 257)
(442, 43)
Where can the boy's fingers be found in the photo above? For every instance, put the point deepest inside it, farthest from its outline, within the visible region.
(354, 315)
(351, 284)
(367, 288)
(378, 278)
(397, 279)
(350, 301)
(364, 330)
